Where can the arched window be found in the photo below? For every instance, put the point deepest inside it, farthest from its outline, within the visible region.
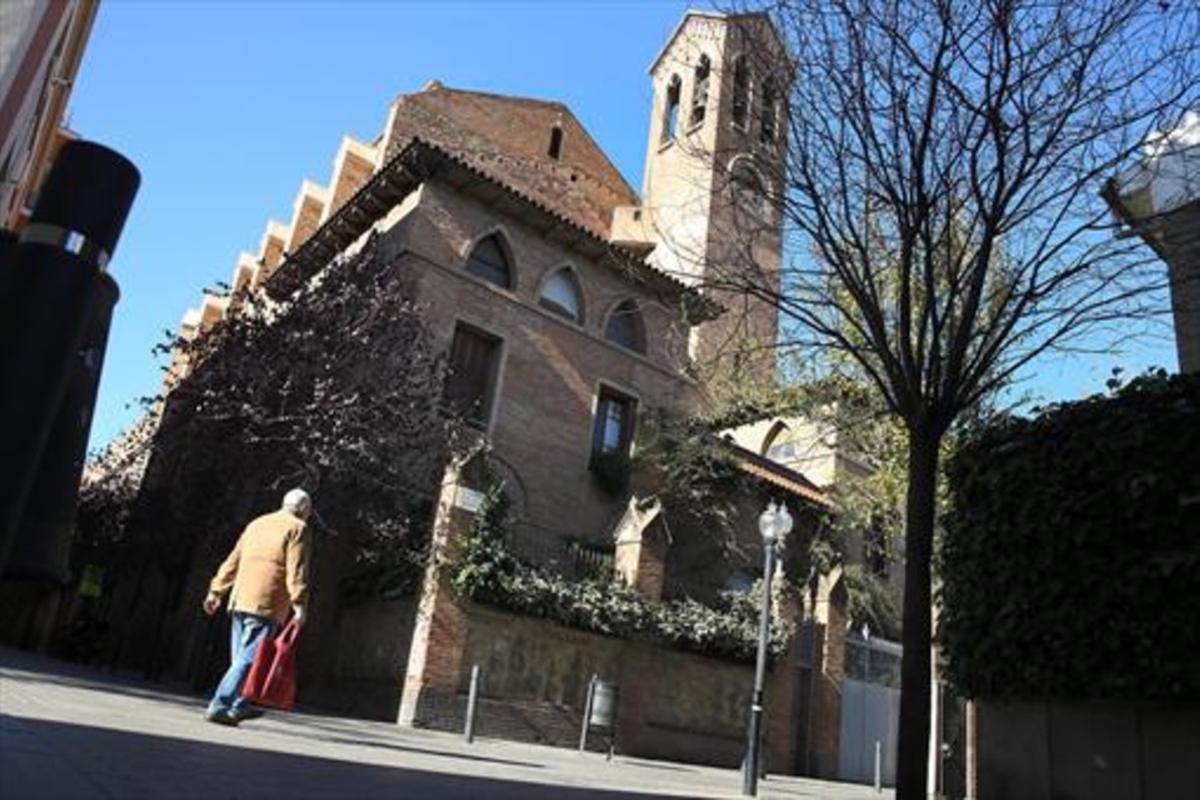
(741, 92)
(671, 108)
(560, 294)
(768, 119)
(778, 433)
(489, 261)
(783, 445)
(556, 139)
(750, 192)
(626, 328)
(484, 471)
(700, 91)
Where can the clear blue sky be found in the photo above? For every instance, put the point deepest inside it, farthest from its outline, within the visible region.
(225, 107)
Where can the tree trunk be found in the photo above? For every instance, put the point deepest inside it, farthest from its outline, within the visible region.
(912, 760)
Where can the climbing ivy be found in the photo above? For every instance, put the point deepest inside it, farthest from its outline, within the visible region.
(1071, 564)
(485, 571)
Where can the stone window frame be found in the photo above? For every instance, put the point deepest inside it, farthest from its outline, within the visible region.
(506, 246)
(701, 80)
(473, 471)
(672, 100)
(600, 387)
(577, 281)
(779, 429)
(770, 111)
(765, 204)
(643, 328)
(500, 367)
(743, 62)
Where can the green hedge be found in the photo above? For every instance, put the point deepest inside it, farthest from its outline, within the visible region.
(1071, 562)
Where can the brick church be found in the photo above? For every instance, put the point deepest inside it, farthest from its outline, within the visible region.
(568, 304)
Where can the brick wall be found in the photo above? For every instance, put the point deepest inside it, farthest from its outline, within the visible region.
(309, 207)
(689, 206)
(368, 646)
(510, 137)
(685, 707)
(354, 169)
(272, 247)
(825, 727)
(673, 705)
(551, 369)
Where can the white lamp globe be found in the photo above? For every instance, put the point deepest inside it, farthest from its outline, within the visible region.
(785, 521)
(768, 523)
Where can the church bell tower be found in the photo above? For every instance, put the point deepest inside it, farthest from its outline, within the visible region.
(714, 168)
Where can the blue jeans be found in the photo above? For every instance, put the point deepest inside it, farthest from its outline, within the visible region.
(246, 634)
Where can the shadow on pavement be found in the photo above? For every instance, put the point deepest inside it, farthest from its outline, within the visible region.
(102, 682)
(361, 741)
(43, 759)
(20, 668)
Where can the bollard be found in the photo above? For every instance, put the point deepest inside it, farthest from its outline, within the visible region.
(472, 700)
(587, 712)
(878, 767)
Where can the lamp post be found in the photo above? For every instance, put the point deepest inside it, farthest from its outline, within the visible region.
(774, 525)
(866, 637)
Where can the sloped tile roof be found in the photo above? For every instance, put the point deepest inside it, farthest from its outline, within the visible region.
(778, 475)
(509, 137)
(419, 160)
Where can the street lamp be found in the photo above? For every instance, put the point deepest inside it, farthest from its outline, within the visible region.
(866, 637)
(774, 525)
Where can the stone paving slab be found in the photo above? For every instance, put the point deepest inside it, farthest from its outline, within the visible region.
(68, 732)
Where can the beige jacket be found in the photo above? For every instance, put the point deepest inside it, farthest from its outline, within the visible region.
(268, 568)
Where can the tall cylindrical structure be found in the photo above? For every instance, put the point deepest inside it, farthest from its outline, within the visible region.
(42, 546)
(50, 280)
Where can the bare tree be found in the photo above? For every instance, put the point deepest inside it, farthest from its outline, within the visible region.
(942, 225)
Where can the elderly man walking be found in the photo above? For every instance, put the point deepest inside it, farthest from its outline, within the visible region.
(267, 572)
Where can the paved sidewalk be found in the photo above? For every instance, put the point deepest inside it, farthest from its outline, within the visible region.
(68, 732)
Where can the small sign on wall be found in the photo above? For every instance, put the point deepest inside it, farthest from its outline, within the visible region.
(468, 499)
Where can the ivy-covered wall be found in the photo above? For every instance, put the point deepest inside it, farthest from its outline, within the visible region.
(1071, 562)
(487, 572)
